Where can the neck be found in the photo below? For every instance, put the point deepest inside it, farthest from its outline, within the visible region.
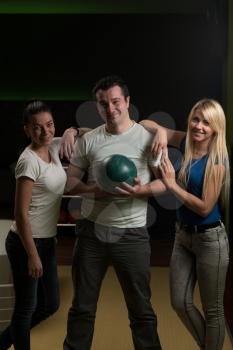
(41, 151)
(116, 129)
(38, 148)
(200, 149)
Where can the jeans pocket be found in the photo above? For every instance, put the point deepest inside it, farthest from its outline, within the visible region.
(210, 235)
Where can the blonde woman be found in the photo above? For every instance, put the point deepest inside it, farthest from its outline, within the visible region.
(201, 250)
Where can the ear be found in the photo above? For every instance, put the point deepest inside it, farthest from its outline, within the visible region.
(26, 130)
(128, 101)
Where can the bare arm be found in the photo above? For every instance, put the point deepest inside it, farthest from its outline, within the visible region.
(22, 201)
(174, 137)
(75, 185)
(201, 206)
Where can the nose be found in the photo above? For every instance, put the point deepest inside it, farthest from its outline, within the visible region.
(110, 107)
(199, 124)
(44, 131)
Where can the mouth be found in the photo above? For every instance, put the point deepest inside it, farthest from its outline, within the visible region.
(195, 132)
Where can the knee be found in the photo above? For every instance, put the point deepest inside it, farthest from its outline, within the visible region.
(178, 303)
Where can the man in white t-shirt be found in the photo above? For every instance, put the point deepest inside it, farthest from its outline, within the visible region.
(113, 228)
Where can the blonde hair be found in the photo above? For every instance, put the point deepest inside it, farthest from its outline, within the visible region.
(214, 114)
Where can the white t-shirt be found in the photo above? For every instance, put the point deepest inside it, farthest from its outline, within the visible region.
(49, 182)
(91, 152)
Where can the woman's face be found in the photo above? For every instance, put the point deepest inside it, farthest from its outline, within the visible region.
(40, 129)
(200, 129)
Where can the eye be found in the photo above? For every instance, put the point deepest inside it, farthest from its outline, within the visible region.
(50, 124)
(36, 127)
(103, 104)
(205, 122)
(195, 119)
(116, 102)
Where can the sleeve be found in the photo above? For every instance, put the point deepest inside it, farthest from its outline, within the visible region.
(27, 167)
(79, 157)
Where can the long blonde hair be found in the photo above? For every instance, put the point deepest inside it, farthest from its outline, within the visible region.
(214, 114)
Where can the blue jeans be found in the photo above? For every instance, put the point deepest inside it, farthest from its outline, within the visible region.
(129, 252)
(35, 299)
(201, 257)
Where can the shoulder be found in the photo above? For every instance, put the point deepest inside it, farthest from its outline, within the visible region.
(143, 136)
(27, 165)
(93, 133)
(91, 138)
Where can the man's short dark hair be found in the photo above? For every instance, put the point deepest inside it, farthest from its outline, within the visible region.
(110, 81)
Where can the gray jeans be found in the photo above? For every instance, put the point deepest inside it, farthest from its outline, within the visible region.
(201, 257)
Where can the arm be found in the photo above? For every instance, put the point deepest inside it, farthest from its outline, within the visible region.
(22, 201)
(68, 140)
(153, 188)
(75, 185)
(174, 137)
(201, 206)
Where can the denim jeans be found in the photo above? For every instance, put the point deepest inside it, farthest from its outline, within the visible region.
(35, 299)
(129, 252)
(201, 257)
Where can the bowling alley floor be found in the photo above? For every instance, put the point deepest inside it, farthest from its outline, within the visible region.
(112, 331)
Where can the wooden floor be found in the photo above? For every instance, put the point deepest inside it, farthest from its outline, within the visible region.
(112, 331)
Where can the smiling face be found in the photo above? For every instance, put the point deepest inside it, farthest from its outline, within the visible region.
(112, 105)
(40, 129)
(200, 129)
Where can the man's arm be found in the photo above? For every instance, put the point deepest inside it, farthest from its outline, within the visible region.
(76, 186)
(174, 137)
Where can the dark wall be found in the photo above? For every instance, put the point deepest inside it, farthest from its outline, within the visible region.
(168, 60)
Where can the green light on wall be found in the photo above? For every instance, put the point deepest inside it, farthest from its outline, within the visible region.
(68, 7)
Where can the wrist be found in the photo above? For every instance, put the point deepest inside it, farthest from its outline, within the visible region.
(74, 130)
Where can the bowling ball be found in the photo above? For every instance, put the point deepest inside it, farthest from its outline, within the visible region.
(114, 170)
(119, 168)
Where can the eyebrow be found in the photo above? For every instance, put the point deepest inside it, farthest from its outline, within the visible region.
(37, 124)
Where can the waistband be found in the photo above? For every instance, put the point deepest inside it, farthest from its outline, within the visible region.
(200, 228)
(15, 235)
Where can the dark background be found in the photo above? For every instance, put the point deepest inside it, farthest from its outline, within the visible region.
(170, 52)
(168, 59)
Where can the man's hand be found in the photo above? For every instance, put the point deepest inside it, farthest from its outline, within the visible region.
(125, 190)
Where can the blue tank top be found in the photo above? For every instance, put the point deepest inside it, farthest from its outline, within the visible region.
(195, 186)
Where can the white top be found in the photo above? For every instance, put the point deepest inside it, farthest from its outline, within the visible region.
(49, 182)
(92, 151)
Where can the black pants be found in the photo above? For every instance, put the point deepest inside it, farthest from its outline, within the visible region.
(35, 298)
(129, 253)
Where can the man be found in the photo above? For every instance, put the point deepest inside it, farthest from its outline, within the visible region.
(113, 226)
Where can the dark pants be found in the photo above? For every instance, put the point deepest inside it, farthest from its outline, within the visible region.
(35, 299)
(129, 252)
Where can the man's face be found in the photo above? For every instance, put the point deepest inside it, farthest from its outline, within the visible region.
(112, 105)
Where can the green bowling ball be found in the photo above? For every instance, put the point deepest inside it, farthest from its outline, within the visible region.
(120, 168)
